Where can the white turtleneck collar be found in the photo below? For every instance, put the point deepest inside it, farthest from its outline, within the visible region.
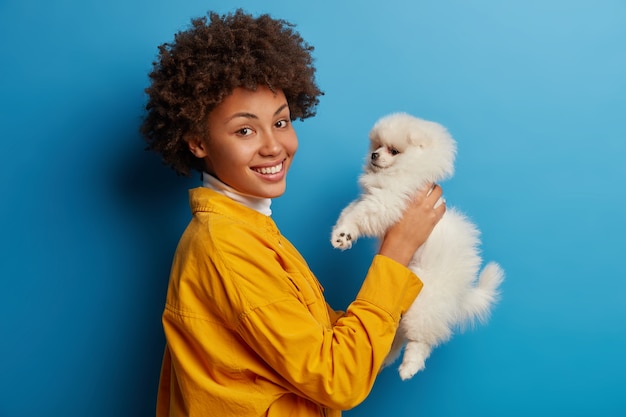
(262, 205)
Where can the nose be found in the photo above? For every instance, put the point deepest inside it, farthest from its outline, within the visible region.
(271, 145)
(375, 156)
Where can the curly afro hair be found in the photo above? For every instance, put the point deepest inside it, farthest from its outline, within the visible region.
(207, 62)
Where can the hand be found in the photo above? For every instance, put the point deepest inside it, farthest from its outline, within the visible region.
(416, 224)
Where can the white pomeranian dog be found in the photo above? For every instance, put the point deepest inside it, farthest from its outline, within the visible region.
(408, 154)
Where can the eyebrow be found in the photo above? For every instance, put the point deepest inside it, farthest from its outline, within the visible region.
(254, 116)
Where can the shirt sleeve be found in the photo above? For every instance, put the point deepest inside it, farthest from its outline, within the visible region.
(336, 366)
(334, 314)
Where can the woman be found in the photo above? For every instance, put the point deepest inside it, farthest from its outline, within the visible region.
(247, 328)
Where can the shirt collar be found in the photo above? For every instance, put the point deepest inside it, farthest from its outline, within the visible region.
(262, 205)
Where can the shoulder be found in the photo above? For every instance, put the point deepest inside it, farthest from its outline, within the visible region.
(229, 265)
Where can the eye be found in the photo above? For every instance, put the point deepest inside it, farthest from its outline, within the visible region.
(244, 131)
(394, 151)
(282, 123)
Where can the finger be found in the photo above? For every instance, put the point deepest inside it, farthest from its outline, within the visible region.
(440, 208)
(435, 193)
(429, 188)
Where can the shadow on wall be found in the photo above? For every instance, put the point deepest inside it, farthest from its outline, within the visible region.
(142, 208)
(155, 201)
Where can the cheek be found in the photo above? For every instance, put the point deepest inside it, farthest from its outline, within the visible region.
(291, 145)
(223, 159)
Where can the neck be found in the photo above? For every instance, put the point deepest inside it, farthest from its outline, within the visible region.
(262, 205)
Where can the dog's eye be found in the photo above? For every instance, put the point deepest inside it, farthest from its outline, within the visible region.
(394, 151)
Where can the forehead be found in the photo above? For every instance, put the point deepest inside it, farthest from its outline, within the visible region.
(258, 103)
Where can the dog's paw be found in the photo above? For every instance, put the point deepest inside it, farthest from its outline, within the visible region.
(409, 368)
(341, 239)
(414, 359)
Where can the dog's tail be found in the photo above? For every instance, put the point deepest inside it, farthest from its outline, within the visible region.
(477, 305)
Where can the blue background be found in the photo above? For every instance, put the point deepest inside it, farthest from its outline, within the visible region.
(534, 92)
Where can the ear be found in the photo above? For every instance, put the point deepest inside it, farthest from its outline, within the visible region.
(196, 146)
(417, 138)
(420, 138)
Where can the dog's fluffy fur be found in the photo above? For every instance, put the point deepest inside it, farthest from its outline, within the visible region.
(407, 154)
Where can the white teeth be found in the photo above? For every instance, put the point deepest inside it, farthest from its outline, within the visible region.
(270, 170)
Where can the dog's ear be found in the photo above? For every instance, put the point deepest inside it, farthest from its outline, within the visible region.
(418, 137)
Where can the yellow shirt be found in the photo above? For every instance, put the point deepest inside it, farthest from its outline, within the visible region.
(248, 330)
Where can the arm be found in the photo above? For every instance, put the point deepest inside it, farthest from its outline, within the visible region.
(334, 366)
(337, 366)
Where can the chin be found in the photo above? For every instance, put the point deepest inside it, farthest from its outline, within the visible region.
(273, 191)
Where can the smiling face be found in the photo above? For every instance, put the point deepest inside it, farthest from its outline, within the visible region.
(250, 142)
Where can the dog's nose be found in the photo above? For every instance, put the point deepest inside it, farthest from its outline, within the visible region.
(375, 156)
